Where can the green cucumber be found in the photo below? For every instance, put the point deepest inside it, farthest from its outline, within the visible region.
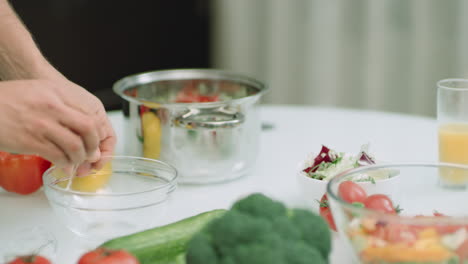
(164, 244)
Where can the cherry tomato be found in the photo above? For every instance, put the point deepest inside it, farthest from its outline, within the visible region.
(351, 192)
(398, 233)
(326, 213)
(438, 214)
(380, 202)
(107, 256)
(207, 98)
(190, 94)
(446, 229)
(195, 98)
(462, 251)
(33, 259)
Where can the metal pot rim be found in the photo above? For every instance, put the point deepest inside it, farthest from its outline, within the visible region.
(180, 74)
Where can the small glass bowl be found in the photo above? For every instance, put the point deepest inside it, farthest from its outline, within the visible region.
(432, 228)
(129, 195)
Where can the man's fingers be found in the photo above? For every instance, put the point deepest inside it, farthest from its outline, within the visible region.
(107, 144)
(95, 157)
(107, 150)
(84, 126)
(68, 142)
(51, 152)
(84, 169)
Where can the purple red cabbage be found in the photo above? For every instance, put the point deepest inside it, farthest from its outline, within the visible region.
(365, 159)
(323, 156)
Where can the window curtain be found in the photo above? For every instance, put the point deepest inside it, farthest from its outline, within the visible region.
(384, 55)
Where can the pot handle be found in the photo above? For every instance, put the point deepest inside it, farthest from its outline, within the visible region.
(210, 119)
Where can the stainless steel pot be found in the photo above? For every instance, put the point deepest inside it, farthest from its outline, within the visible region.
(204, 122)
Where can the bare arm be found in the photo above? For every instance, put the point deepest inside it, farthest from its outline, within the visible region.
(45, 116)
(20, 58)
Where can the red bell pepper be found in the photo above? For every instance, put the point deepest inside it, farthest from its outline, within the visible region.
(21, 174)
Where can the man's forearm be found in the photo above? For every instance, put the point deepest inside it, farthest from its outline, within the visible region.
(20, 58)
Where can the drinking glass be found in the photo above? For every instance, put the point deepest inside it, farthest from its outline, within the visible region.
(452, 117)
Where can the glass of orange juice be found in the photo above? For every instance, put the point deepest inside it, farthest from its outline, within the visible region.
(452, 117)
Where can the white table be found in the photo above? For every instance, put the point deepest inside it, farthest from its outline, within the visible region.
(297, 131)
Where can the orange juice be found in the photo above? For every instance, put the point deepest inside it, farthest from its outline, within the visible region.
(453, 148)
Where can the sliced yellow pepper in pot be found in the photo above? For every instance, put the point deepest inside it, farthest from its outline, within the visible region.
(151, 135)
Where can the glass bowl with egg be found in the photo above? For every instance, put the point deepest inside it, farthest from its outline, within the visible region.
(129, 194)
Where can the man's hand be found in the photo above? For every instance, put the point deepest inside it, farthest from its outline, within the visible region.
(80, 99)
(43, 113)
(57, 120)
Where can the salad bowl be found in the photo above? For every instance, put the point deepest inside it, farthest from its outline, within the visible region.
(317, 170)
(419, 222)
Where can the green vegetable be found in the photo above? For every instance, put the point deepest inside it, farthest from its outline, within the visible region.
(260, 230)
(255, 230)
(163, 245)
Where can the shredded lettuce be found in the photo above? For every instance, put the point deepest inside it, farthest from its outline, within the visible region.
(329, 163)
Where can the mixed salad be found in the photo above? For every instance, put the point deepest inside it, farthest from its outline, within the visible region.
(379, 239)
(329, 163)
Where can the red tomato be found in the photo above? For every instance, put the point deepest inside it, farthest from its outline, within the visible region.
(378, 232)
(446, 229)
(438, 214)
(398, 233)
(21, 173)
(462, 251)
(351, 192)
(441, 229)
(191, 94)
(207, 98)
(380, 202)
(107, 256)
(326, 213)
(195, 98)
(144, 109)
(33, 259)
(394, 233)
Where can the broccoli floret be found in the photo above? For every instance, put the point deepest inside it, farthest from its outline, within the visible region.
(260, 230)
(300, 253)
(260, 206)
(236, 228)
(314, 231)
(226, 260)
(200, 250)
(257, 253)
(284, 227)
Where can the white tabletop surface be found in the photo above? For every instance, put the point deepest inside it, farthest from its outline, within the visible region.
(297, 132)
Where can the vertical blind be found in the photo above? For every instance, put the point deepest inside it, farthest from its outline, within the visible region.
(369, 54)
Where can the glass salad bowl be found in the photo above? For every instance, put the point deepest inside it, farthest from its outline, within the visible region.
(128, 195)
(419, 222)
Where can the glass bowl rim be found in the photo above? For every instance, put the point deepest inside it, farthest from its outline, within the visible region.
(171, 183)
(392, 218)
